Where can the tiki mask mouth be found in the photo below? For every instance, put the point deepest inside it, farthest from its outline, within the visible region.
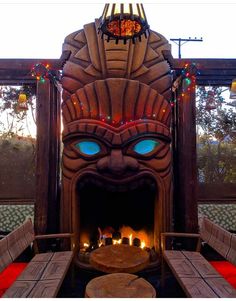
(122, 185)
(113, 204)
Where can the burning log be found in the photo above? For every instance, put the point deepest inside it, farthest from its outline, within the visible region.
(125, 240)
(136, 242)
(108, 241)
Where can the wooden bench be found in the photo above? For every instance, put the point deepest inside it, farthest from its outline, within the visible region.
(194, 273)
(44, 274)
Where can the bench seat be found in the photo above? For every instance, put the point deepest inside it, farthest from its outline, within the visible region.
(196, 275)
(44, 274)
(42, 277)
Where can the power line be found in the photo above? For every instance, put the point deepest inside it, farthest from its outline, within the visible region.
(181, 42)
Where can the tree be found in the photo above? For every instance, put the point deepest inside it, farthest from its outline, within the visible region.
(14, 121)
(17, 143)
(216, 136)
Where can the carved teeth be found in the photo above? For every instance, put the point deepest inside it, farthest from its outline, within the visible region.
(141, 182)
(111, 188)
(122, 188)
(133, 185)
(86, 182)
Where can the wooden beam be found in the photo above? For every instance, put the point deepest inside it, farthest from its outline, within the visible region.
(185, 168)
(17, 201)
(27, 64)
(176, 64)
(20, 69)
(216, 201)
(207, 63)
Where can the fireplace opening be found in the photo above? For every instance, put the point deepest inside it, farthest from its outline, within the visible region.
(111, 214)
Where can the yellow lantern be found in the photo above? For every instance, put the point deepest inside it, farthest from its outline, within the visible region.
(210, 101)
(22, 102)
(233, 89)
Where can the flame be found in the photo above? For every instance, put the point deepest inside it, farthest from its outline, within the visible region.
(116, 241)
(130, 239)
(143, 245)
(145, 238)
(124, 28)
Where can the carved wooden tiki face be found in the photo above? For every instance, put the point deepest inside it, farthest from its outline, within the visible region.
(116, 118)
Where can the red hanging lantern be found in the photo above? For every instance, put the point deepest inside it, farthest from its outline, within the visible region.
(210, 101)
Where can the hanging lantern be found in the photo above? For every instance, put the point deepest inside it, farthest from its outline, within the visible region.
(22, 102)
(210, 101)
(233, 89)
(123, 21)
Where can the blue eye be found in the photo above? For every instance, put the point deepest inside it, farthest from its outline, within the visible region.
(89, 148)
(145, 146)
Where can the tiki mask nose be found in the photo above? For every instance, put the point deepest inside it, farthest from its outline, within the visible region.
(117, 163)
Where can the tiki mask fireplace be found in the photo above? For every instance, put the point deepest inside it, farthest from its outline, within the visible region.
(116, 160)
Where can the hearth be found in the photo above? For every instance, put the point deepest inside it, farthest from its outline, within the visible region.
(116, 162)
(103, 205)
(116, 214)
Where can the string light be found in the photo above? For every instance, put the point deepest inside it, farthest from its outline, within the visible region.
(41, 72)
(189, 74)
(187, 81)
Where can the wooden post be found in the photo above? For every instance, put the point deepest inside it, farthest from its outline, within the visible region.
(185, 164)
(48, 154)
(42, 163)
(54, 160)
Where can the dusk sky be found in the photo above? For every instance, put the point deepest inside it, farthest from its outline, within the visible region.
(36, 29)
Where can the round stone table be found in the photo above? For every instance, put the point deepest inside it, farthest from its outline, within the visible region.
(119, 259)
(119, 285)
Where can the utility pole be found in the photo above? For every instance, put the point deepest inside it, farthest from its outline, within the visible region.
(181, 42)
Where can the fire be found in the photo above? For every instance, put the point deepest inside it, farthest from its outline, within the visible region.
(143, 245)
(125, 235)
(124, 28)
(145, 239)
(116, 241)
(130, 239)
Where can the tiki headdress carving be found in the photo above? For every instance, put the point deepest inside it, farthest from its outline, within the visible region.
(116, 116)
(93, 58)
